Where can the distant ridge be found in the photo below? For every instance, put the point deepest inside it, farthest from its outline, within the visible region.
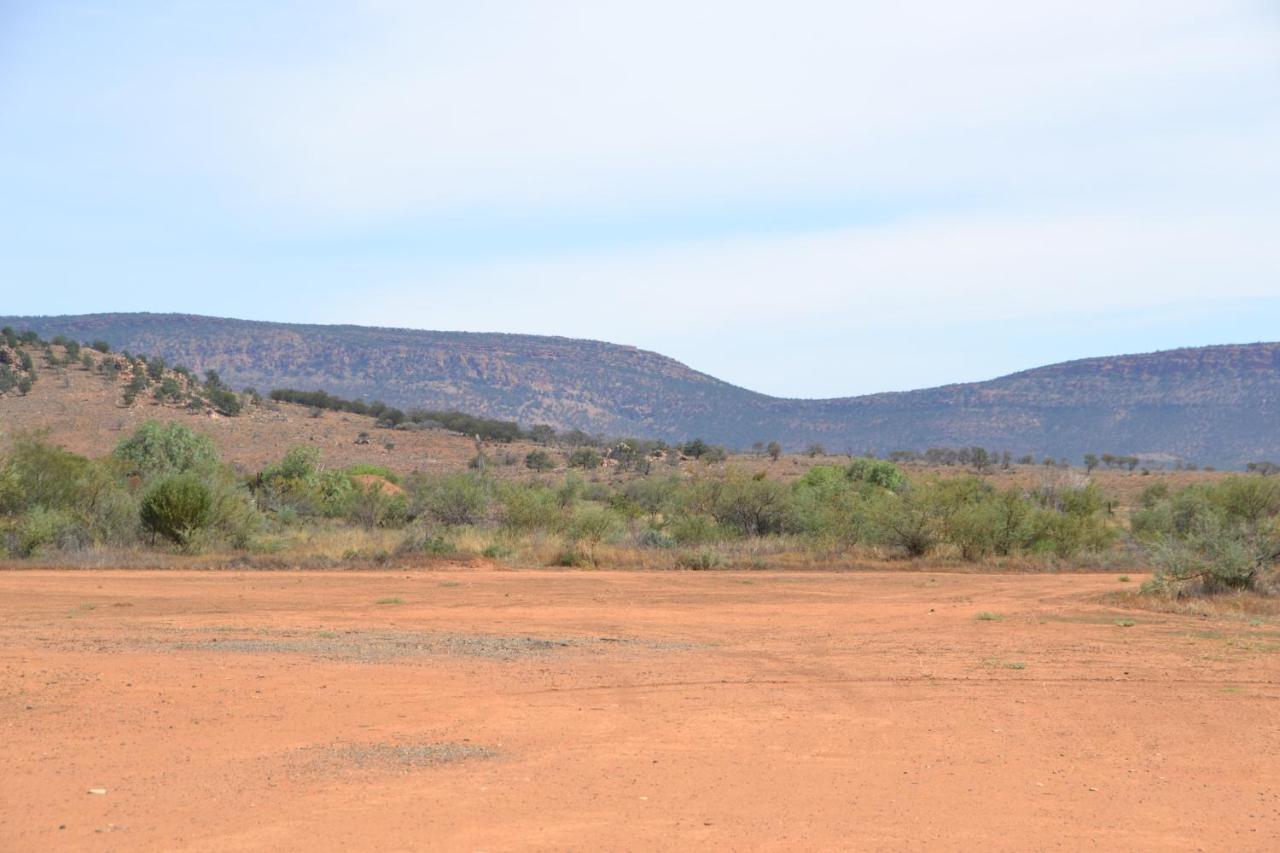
(1215, 405)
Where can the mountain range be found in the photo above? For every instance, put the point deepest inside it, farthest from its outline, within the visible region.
(1216, 405)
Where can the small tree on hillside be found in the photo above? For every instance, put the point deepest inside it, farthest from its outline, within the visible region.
(539, 460)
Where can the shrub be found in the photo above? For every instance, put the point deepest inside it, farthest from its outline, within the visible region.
(452, 499)
(539, 460)
(41, 527)
(750, 505)
(907, 521)
(585, 457)
(531, 507)
(177, 507)
(694, 530)
(652, 538)
(426, 542)
(1215, 557)
(591, 526)
(40, 474)
(224, 400)
(826, 505)
(372, 506)
(1210, 539)
(157, 448)
(877, 472)
(169, 390)
(702, 560)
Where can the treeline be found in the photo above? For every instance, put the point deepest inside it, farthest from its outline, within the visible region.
(591, 451)
(968, 457)
(487, 429)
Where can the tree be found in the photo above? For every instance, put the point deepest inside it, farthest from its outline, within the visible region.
(1090, 462)
(539, 460)
(157, 448)
(774, 450)
(585, 457)
(223, 399)
(542, 434)
(815, 450)
(695, 449)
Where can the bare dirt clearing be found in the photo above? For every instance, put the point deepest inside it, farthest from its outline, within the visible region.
(570, 710)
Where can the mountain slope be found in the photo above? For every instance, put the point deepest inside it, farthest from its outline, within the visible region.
(1214, 405)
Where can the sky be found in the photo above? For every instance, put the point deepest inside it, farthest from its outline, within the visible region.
(808, 199)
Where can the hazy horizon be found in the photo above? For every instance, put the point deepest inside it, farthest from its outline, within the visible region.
(822, 201)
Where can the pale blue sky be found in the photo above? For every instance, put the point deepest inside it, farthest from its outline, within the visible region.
(809, 198)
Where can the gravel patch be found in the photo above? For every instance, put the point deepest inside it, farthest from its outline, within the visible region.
(385, 645)
(388, 756)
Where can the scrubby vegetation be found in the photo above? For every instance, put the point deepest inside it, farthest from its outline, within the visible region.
(165, 486)
(1212, 538)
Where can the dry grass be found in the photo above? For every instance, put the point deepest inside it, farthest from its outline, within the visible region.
(1238, 605)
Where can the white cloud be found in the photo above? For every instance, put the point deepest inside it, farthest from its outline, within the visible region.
(1039, 157)
(386, 107)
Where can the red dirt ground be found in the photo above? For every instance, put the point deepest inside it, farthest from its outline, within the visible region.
(394, 711)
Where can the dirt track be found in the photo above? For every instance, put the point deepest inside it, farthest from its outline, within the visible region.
(568, 710)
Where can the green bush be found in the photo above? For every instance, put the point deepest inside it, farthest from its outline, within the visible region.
(591, 526)
(653, 538)
(877, 472)
(585, 457)
(170, 448)
(426, 542)
(531, 507)
(452, 499)
(702, 560)
(177, 507)
(826, 505)
(694, 530)
(1212, 538)
(41, 528)
(373, 506)
(1215, 557)
(539, 460)
(39, 474)
(751, 505)
(907, 521)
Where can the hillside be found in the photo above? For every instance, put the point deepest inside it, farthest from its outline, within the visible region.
(1211, 405)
